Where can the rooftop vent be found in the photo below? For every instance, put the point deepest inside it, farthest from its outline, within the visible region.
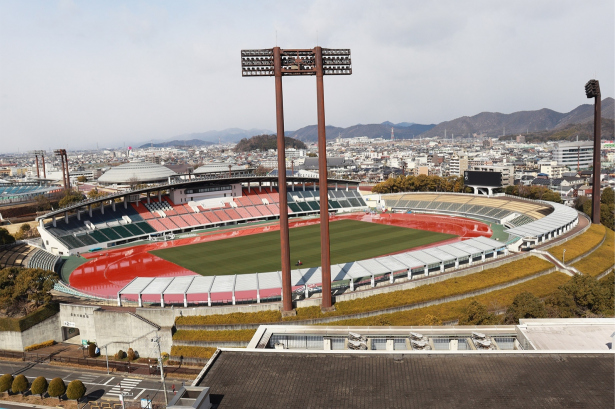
(191, 397)
(421, 345)
(357, 345)
(478, 335)
(416, 336)
(356, 337)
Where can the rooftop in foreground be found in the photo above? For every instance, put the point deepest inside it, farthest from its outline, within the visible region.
(275, 379)
(542, 363)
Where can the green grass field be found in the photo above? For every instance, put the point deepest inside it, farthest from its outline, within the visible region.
(350, 240)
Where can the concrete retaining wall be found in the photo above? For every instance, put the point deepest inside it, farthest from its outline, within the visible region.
(44, 331)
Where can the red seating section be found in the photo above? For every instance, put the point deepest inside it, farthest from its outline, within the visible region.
(243, 213)
(263, 210)
(274, 209)
(181, 223)
(253, 211)
(166, 222)
(249, 206)
(201, 218)
(156, 225)
(142, 210)
(188, 218)
(233, 214)
(222, 215)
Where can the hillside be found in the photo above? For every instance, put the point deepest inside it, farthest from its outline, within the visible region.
(265, 142)
(177, 143)
(492, 124)
(585, 131)
(403, 130)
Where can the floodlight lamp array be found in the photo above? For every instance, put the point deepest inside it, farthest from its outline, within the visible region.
(336, 61)
(592, 89)
(298, 62)
(257, 63)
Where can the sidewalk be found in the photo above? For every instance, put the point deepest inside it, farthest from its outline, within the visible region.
(74, 355)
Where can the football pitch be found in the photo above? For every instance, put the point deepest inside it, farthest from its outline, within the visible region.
(351, 240)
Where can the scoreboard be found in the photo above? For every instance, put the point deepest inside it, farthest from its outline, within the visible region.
(480, 178)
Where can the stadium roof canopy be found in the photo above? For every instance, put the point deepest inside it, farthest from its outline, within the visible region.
(136, 171)
(561, 217)
(430, 258)
(181, 182)
(219, 167)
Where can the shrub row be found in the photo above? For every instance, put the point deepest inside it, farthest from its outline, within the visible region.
(601, 259)
(581, 244)
(450, 311)
(203, 335)
(34, 347)
(453, 286)
(193, 352)
(56, 388)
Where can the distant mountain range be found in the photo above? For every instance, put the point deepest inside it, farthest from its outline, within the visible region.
(405, 130)
(231, 135)
(177, 143)
(543, 124)
(492, 124)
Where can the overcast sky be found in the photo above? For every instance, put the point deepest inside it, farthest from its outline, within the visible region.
(73, 73)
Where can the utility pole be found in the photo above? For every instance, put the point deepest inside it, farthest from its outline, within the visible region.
(156, 339)
(107, 358)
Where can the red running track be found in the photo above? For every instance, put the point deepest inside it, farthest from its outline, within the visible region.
(108, 271)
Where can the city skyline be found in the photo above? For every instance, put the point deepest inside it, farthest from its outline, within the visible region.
(74, 73)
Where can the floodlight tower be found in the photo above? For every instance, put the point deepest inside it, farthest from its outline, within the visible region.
(275, 62)
(64, 158)
(42, 155)
(592, 90)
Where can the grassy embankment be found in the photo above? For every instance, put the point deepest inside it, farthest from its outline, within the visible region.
(581, 244)
(601, 259)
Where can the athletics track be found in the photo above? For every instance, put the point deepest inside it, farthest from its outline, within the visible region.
(109, 270)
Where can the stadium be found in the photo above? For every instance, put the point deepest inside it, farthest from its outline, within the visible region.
(176, 242)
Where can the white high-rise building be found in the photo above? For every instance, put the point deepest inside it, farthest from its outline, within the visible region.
(457, 165)
(573, 154)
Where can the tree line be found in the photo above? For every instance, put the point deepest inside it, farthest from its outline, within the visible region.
(534, 193)
(266, 142)
(581, 297)
(607, 206)
(421, 183)
(21, 288)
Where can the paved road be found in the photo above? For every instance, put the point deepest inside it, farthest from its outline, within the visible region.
(99, 385)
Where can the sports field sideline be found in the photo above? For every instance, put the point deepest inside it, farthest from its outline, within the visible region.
(351, 240)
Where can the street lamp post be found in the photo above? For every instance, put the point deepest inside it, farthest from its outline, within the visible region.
(275, 62)
(564, 257)
(592, 90)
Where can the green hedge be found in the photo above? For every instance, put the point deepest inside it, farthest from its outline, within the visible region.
(30, 320)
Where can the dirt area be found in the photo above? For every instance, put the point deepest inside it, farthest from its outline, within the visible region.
(14, 228)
